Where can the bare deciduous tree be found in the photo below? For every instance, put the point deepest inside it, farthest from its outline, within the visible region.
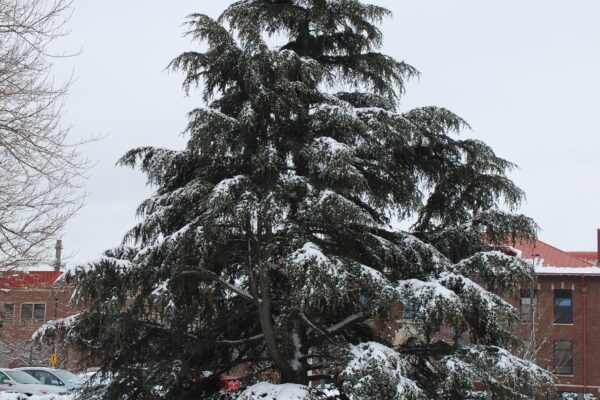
(39, 169)
(21, 352)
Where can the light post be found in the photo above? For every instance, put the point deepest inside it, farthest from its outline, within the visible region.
(534, 257)
(53, 356)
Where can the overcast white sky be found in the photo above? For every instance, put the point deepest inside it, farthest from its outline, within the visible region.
(524, 74)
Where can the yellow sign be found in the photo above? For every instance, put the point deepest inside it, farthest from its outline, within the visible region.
(53, 360)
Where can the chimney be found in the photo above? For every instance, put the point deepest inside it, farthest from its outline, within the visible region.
(58, 261)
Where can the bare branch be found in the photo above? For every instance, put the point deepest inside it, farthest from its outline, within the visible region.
(40, 170)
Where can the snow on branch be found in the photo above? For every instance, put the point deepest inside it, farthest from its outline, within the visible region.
(495, 368)
(214, 277)
(318, 279)
(456, 300)
(374, 371)
(496, 269)
(119, 259)
(52, 329)
(346, 322)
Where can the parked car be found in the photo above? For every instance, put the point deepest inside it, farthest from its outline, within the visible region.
(88, 373)
(13, 380)
(223, 382)
(230, 383)
(54, 377)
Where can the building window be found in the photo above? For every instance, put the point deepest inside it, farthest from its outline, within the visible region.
(33, 313)
(528, 302)
(7, 312)
(410, 310)
(563, 357)
(563, 306)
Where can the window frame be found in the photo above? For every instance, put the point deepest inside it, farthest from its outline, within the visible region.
(39, 373)
(410, 310)
(559, 310)
(32, 320)
(527, 311)
(562, 369)
(3, 319)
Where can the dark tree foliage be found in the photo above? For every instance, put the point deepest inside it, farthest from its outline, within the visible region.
(268, 245)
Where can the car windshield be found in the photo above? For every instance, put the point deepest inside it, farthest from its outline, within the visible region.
(22, 377)
(67, 376)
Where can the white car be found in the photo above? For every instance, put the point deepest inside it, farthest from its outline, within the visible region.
(15, 381)
(54, 377)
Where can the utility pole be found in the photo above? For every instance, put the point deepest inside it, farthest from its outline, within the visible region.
(534, 304)
(533, 311)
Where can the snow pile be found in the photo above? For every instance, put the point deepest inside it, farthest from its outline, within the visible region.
(269, 391)
(16, 396)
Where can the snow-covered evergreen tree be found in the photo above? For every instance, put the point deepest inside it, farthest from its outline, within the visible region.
(268, 244)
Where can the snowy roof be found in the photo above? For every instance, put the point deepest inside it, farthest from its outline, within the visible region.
(19, 278)
(567, 271)
(549, 260)
(34, 268)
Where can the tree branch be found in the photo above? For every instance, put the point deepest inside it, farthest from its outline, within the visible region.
(241, 341)
(352, 319)
(209, 274)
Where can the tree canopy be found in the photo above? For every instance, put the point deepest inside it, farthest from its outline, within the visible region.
(270, 247)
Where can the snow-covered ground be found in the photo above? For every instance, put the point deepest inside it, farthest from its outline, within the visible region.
(268, 391)
(15, 396)
(259, 391)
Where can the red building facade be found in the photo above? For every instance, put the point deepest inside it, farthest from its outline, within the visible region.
(28, 299)
(560, 316)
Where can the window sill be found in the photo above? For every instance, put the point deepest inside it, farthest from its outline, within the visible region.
(564, 375)
(562, 324)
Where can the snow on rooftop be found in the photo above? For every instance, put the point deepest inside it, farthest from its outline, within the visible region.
(548, 270)
(549, 260)
(34, 268)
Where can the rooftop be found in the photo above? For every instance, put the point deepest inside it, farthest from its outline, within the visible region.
(28, 279)
(549, 260)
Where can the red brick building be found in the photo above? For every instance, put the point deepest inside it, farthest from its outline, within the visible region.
(30, 297)
(560, 316)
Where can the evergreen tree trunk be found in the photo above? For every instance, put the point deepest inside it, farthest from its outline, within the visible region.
(266, 323)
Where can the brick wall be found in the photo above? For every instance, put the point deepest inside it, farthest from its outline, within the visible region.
(16, 347)
(547, 332)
